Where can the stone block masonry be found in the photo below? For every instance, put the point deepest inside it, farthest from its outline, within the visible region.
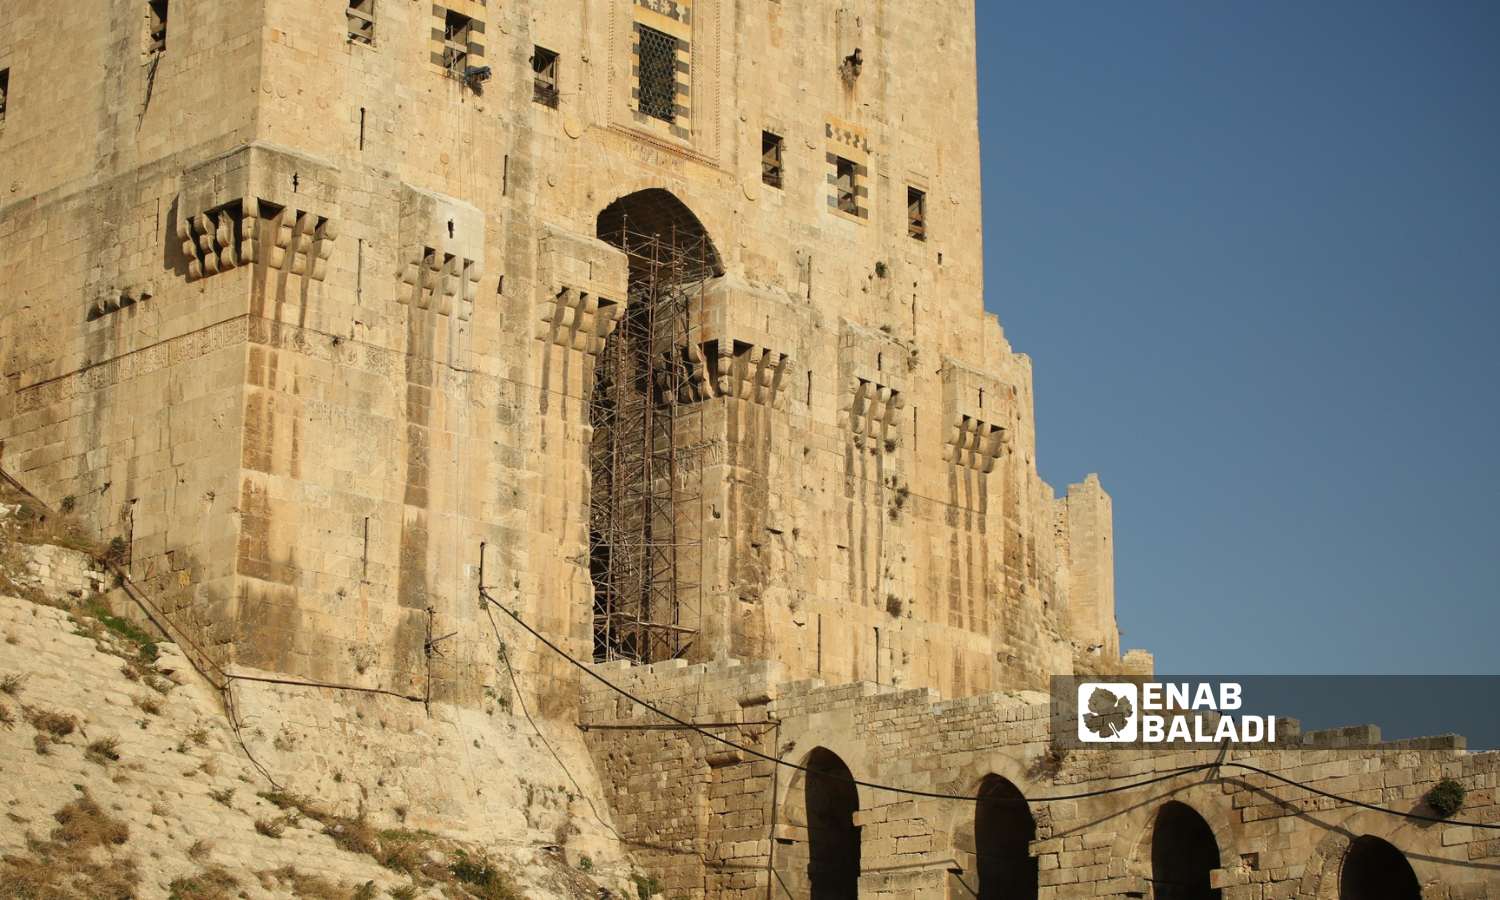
(307, 316)
(728, 824)
(333, 315)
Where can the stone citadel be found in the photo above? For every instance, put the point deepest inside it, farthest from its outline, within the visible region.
(659, 321)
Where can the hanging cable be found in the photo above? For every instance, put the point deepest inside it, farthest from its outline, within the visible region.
(935, 795)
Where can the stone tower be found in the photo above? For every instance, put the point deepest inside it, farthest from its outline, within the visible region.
(663, 317)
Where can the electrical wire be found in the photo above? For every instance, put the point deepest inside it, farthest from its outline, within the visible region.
(935, 795)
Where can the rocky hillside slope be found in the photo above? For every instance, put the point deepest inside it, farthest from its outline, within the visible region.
(121, 776)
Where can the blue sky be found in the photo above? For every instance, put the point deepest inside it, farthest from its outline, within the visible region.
(1254, 252)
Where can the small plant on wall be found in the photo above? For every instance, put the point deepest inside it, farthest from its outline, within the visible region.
(1446, 797)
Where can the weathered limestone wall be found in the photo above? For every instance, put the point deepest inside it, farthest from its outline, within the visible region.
(322, 322)
(731, 823)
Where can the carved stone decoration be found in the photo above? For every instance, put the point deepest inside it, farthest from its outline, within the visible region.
(248, 230)
(581, 289)
(974, 443)
(872, 413)
(729, 368)
(578, 320)
(440, 282)
(442, 253)
(258, 203)
(978, 410)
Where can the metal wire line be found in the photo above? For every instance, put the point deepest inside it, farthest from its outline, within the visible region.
(937, 795)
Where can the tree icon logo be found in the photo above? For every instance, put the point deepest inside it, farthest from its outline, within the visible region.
(1108, 713)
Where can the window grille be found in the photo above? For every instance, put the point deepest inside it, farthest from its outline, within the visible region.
(361, 15)
(916, 214)
(657, 77)
(544, 70)
(771, 147)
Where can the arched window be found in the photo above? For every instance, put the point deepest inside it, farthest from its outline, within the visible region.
(1003, 832)
(1375, 870)
(1183, 853)
(832, 836)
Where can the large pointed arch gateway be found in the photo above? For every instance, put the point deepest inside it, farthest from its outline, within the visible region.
(645, 520)
(1375, 870)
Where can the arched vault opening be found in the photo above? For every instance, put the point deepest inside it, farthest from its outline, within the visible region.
(1183, 854)
(645, 518)
(833, 839)
(1003, 832)
(1375, 870)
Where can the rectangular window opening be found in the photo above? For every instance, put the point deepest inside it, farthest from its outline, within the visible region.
(156, 26)
(657, 75)
(845, 186)
(457, 28)
(544, 73)
(4, 91)
(362, 21)
(771, 147)
(916, 214)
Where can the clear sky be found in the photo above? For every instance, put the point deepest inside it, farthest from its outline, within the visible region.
(1253, 250)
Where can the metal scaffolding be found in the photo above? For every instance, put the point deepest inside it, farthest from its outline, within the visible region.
(645, 520)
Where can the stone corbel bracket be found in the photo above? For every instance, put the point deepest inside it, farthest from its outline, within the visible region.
(442, 253)
(974, 406)
(746, 342)
(258, 203)
(871, 413)
(727, 368)
(873, 366)
(440, 282)
(582, 284)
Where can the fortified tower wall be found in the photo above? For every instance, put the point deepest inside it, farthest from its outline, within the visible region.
(308, 306)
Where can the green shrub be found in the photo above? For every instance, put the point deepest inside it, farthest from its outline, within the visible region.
(1446, 797)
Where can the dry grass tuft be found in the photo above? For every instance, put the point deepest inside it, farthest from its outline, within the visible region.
(200, 850)
(212, 883)
(103, 751)
(69, 865)
(271, 828)
(151, 706)
(53, 724)
(6, 719)
(303, 885)
(222, 795)
(12, 684)
(82, 824)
